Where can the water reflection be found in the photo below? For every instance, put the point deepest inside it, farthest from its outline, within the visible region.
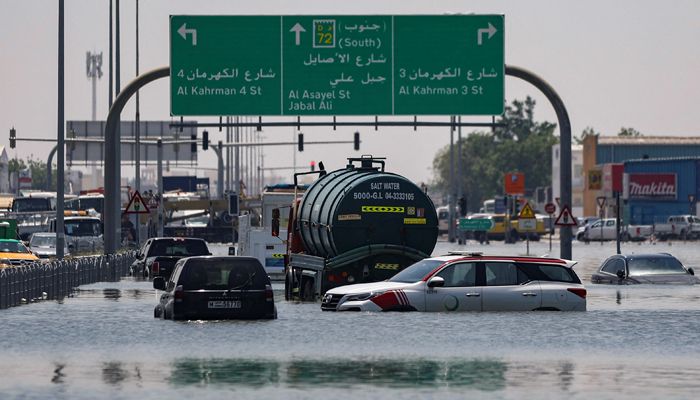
(58, 374)
(112, 294)
(482, 375)
(113, 373)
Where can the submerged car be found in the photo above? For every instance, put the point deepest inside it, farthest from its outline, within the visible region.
(634, 269)
(468, 281)
(212, 287)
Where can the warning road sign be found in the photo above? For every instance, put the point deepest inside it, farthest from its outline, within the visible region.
(601, 201)
(566, 218)
(137, 205)
(152, 203)
(527, 212)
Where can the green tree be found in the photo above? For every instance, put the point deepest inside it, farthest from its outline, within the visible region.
(589, 131)
(629, 132)
(523, 145)
(16, 165)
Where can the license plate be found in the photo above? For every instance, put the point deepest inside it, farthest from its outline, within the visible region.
(224, 304)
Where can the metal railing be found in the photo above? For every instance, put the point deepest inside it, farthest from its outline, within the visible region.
(55, 280)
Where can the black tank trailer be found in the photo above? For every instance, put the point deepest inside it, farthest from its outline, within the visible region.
(354, 225)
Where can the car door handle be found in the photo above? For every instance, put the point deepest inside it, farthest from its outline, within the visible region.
(529, 294)
(473, 294)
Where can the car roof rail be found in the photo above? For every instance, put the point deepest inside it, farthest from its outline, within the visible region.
(465, 253)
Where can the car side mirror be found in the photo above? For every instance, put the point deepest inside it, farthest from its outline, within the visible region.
(620, 273)
(159, 283)
(691, 270)
(436, 281)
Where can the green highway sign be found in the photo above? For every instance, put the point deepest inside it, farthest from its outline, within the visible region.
(337, 65)
(475, 224)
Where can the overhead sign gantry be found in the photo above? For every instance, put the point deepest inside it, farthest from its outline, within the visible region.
(337, 65)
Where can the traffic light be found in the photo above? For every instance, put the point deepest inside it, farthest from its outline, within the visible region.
(205, 140)
(313, 166)
(357, 141)
(176, 146)
(301, 142)
(13, 138)
(193, 144)
(463, 206)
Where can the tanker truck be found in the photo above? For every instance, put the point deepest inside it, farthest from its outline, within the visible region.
(354, 225)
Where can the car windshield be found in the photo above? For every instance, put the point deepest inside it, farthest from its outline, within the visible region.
(223, 274)
(12, 247)
(179, 248)
(30, 204)
(417, 271)
(88, 227)
(655, 266)
(43, 241)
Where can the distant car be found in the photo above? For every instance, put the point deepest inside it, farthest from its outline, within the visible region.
(16, 252)
(468, 281)
(43, 245)
(157, 257)
(213, 287)
(634, 269)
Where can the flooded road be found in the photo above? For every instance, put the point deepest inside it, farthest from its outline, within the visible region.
(103, 342)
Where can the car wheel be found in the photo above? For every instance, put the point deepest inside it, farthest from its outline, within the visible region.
(625, 237)
(156, 314)
(579, 237)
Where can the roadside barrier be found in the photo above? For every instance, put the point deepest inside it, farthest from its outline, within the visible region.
(55, 280)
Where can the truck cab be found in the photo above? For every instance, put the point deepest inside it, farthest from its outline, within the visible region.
(83, 234)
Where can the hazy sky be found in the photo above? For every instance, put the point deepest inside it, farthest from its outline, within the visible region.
(614, 64)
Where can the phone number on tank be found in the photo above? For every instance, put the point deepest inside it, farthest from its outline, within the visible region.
(383, 196)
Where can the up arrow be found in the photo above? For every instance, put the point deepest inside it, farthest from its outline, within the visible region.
(298, 29)
(491, 30)
(183, 31)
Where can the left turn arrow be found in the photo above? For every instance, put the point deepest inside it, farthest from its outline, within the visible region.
(183, 31)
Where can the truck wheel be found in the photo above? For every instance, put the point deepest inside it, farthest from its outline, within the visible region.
(226, 217)
(307, 292)
(625, 237)
(514, 236)
(288, 290)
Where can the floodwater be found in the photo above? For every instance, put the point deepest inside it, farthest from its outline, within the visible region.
(103, 342)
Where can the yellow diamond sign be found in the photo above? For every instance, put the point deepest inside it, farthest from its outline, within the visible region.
(527, 212)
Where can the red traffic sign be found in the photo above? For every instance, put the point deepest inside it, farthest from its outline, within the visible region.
(691, 198)
(137, 205)
(550, 208)
(566, 218)
(601, 201)
(152, 203)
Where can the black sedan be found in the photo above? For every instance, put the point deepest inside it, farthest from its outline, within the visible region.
(211, 287)
(634, 269)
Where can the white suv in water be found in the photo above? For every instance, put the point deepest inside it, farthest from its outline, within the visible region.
(468, 281)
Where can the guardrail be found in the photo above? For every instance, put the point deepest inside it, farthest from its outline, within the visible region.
(54, 280)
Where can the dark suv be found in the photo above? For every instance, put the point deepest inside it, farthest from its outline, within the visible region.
(158, 256)
(214, 287)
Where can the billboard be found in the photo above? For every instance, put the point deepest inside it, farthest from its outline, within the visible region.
(595, 179)
(659, 187)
